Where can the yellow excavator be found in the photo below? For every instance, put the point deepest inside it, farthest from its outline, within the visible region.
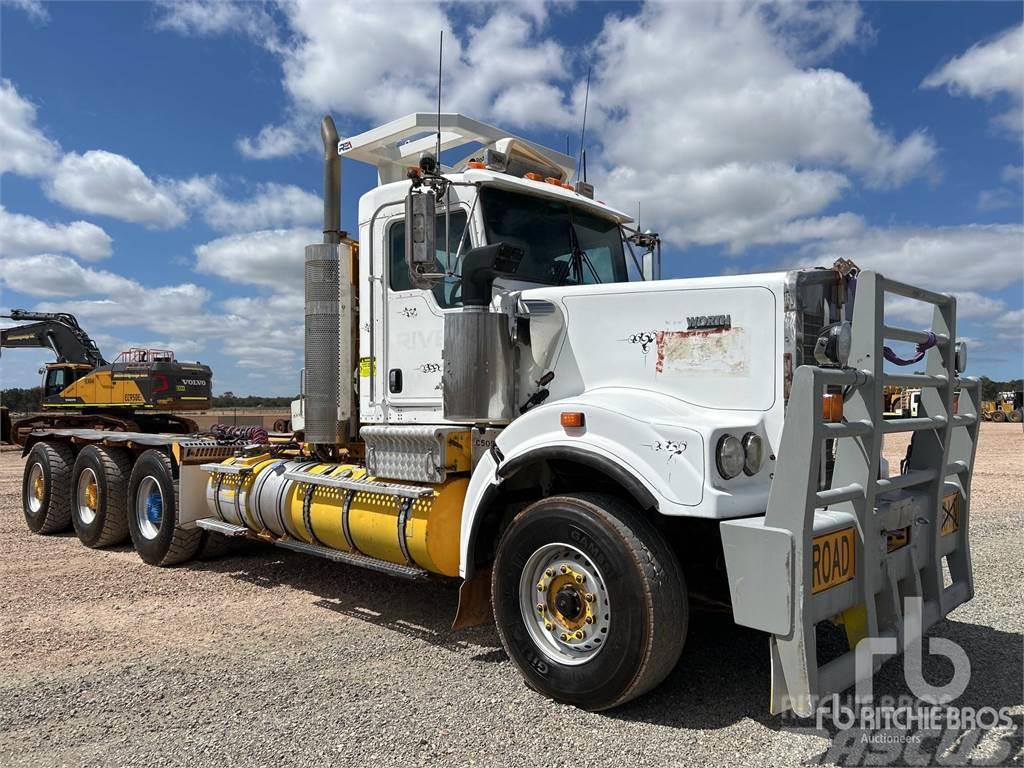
(138, 392)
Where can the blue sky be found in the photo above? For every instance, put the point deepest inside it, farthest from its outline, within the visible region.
(161, 171)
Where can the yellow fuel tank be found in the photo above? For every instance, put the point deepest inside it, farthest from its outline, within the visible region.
(255, 493)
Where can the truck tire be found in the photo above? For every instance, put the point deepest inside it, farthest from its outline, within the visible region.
(589, 600)
(153, 513)
(1015, 416)
(99, 496)
(46, 487)
(999, 416)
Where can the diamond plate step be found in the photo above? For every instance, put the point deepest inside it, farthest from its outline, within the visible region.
(219, 526)
(352, 558)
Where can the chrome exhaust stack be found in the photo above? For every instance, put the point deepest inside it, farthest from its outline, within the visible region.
(328, 313)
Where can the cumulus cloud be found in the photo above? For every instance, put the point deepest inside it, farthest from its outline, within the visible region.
(728, 91)
(34, 9)
(24, 148)
(986, 70)
(22, 235)
(970, 305)
(52, 275)
(968, 258)
(741, 137)
(213, 17)
(107, 183)
(273, 205)
(1010, 326)
(270, 258)
(271, 141)
(497, 66)
(736, 203)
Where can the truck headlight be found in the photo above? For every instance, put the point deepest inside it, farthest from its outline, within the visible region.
(832, 347)
(729, 456)
(753, 450)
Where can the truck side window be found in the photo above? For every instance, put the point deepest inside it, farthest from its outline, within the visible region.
(446, 292)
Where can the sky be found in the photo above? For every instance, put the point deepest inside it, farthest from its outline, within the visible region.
(160, 165)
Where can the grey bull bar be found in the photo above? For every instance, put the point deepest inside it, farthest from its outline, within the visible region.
(852, 552)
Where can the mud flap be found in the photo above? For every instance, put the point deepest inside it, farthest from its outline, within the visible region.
(474, 601)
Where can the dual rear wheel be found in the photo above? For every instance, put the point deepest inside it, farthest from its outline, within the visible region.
(107, 498)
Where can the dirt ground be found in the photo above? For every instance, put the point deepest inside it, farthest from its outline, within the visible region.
(270, 657)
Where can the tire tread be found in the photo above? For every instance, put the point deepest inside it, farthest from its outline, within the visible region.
(117, 467)
(184, 542)
(664, 587)
(60, 459)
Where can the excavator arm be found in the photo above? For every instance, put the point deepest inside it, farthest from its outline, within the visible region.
(58, 331)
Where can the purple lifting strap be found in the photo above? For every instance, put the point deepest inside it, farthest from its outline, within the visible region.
(892, 357)
(923, 347)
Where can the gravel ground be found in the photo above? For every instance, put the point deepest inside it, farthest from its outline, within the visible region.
(272, 657)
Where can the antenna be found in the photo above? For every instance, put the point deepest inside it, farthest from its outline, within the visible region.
(583, 132)
(440, 52)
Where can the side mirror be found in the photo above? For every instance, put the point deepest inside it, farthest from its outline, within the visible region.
(420, 236)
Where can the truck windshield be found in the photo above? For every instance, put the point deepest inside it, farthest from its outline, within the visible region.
(563, 244)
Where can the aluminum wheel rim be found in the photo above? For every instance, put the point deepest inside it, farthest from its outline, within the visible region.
(149, 507)
(36, 487)
(552, 573)
(86, 496)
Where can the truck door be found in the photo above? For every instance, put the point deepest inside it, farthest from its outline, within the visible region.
(414, 321)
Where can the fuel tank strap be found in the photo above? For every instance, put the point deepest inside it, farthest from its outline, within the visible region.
(404, 509)
(346, 528)
(307, 503)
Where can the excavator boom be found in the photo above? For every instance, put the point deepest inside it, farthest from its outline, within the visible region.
(57, 331)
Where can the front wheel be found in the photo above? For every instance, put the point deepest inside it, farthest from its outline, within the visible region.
(589, 600)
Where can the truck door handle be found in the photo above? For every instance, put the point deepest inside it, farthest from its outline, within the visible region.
(395, 380)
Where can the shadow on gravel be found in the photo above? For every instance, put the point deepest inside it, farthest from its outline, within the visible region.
(722, 677)
(423, 610)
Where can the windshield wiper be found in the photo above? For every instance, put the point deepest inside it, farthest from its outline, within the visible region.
(579, 258)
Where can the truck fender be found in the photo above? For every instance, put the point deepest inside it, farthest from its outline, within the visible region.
(646, 451)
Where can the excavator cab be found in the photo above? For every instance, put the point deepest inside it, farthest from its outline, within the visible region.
(59, 376)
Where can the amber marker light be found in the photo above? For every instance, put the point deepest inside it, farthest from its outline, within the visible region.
(571, 419)
(832, 407)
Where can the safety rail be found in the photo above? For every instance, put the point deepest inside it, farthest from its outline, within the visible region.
(860, 505)
(141, 355)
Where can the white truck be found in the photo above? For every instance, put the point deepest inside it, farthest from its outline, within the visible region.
(498, 388)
